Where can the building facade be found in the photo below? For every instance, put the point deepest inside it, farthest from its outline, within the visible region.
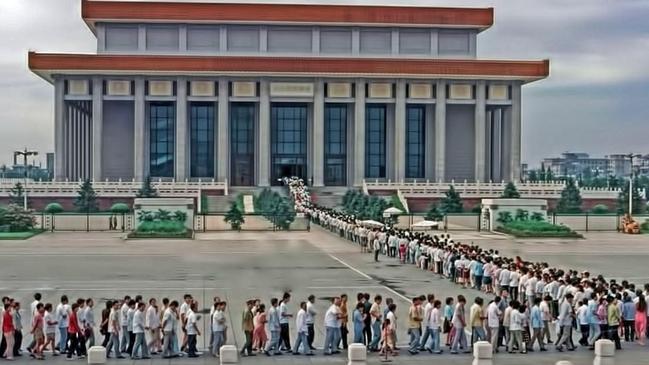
(250, 93)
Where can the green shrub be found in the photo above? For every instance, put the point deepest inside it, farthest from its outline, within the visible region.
(54, 208)
(599, 209)
(275, 208)
(531, 228)
(18, 219)
(234, 217)
(396, 202)
(120, 208)
(644, 227)
(434, 214)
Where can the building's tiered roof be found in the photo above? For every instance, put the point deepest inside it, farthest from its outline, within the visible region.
(94, 11)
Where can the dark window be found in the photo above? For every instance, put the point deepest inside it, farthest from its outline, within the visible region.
(375, 141)
(415, 141)
(202, 139)
(288, 141)
(242, 143)
(162, 132)
(335, 148)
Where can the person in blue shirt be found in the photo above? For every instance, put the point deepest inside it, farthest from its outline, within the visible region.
(448, 315)
(536, 320)
(358, 318)
(628, 317)
(478, 271)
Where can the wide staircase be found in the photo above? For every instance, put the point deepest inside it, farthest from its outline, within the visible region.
(218, 203)
(330, 197)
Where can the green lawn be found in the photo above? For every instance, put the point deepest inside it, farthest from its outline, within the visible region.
(5, 236)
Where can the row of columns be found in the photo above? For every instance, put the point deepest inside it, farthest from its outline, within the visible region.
(263, 145)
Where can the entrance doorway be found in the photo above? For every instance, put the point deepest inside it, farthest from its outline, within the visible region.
(288, 141)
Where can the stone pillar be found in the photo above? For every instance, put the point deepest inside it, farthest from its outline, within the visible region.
(318, 134)
(223, 132)
(480, 131)
(440, 131)
(359, 133)
(182, 143)
(97, 126)
(515, 159)
(139, 132)
(264, 135)
(59, 129)
(400, 132)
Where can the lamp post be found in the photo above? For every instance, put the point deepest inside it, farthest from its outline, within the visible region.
(631, 156)
(25, 153)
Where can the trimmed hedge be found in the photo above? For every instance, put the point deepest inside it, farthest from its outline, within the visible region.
(538, 229)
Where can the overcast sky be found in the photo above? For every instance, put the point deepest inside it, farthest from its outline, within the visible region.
(596, 99)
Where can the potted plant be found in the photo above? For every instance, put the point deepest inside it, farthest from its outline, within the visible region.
(53, 209)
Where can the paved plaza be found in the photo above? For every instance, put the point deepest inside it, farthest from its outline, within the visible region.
(241, 266)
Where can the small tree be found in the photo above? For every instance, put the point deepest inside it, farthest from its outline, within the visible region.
(599, 209)
(452, 202)
(86, 198)
(510, 192)
(532, 176)
(53, 209)
(537, 217)
(121, 209)
(434, 214)
(234, 217)
(147, 190)
(17, 194)
(504, 218)
(570, 201)
(19, 219)
(623, 199)
(522, 215)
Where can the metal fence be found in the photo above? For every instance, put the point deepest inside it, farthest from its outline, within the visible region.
(88, 222)
(210, 222)
(450, 222)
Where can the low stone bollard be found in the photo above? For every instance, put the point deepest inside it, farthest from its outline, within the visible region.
(563, 362)
(97, 355)
(357, 353)
(604, 360)
(229, 354)
(482, 350)
(604, 348)
(482, 362)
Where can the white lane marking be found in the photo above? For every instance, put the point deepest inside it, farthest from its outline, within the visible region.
(370, 278)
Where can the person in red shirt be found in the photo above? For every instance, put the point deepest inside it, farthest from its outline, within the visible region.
(73, 333)
(8, 331)
(38, 325)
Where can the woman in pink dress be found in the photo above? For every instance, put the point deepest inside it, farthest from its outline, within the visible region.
(641, 318)
(259, 337)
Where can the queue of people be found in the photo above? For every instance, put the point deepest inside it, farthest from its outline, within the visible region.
(529, 300)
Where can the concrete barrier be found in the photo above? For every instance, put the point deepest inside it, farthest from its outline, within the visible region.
(357, 354)
(604, 348)
(564, 362)
(229, 355)
(604, 360)
(97, 355)
(482, 362)
(482, 350)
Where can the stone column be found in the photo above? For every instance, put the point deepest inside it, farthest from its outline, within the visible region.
(515, 167)
(97, 126)
(139, 132)
(440, 131)
(223, 132)
(318, 134)
(400, 132)
(359, 133)
(264, 134)
(59, 130)
(480, 131)
(182, 143)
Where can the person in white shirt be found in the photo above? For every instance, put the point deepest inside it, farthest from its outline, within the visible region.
(130, 313)
(546, 315)
(514, 278)
(503, 278)
(123, 318)
(459, 323)
(89, 322)
(530, 288)
(63, 312)
(310, 320)
(114, 326)
(493, 322)
(50, 324)
(427, 330)
(169, 323)
(191, 328)
(302, 329)
(184, 308)
(139, 330)
(434, 324)
(218, 328)
(284, 317)
(515, 330)
(153, 324)
(331, 318)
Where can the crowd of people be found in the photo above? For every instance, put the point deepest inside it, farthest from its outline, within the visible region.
(526, 301)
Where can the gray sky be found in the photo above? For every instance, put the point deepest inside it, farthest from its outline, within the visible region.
(596, 99)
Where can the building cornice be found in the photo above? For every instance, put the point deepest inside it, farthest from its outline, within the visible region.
(94, 11)
(48, 64)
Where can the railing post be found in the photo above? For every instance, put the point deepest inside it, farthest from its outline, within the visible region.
(586, 221)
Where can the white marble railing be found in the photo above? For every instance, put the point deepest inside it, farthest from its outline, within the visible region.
(117, 188)
(485, 189)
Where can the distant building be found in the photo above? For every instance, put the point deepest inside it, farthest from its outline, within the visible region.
(580, 164)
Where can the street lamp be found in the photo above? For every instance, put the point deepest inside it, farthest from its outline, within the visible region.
(631, 156)
(25, 153)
